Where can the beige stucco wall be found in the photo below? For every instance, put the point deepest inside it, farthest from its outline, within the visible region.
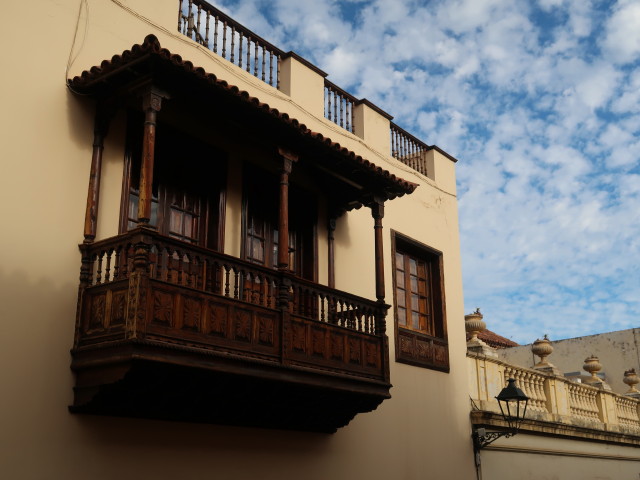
(618, 351)
(422, 432)
(528, 457)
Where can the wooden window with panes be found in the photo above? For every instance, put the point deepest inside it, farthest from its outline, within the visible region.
(260, 214)
(188, 191)
(419, 304)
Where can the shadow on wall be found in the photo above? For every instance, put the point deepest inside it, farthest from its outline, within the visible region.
(37, 318)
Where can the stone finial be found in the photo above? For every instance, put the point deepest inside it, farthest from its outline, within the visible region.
(592, 365)
(632, 379)
(543, 348)
(474, 324)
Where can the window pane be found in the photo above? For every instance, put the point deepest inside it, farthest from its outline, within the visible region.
(175, 221)
(257, 249)
(154, 213)
(399, 278)
(399, 261)
(414, 284)
(413, 265)
(415, 320)
(400, 297)
(414, 302)
(402, 316)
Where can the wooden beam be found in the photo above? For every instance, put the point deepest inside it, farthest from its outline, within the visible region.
(100, 128)
(151, 104)
(287, 159)
(377, 211)
(331, 252)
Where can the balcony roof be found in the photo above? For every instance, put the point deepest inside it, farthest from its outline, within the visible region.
(119, 75)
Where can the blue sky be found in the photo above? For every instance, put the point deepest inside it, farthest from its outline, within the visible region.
(540, 101)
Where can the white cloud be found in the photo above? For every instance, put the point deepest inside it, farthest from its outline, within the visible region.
(544, 119)
(622, 40)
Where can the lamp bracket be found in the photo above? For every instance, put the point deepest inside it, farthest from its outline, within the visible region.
(482, 438)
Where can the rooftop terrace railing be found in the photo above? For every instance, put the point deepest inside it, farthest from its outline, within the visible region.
(221, 34)
(408, 149)
(218, 32)
(338, 105)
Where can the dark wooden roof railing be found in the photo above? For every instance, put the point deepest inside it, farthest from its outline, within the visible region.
(218, 32)
(221, 34)
(338, 105)
(408, 149)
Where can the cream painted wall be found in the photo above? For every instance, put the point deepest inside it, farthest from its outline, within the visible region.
(528, 457)
(618, 351)
(422, 432)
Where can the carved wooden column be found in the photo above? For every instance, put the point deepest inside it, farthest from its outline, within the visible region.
(151, 104)
(331, 253)
(287, 159)
(100, 127)
(377, 211)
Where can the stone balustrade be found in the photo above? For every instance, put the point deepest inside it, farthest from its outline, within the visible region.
(553, 399)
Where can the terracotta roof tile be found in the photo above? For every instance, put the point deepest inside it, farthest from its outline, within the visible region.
(494, 340)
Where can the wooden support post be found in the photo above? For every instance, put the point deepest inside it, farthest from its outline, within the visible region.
(331, 253)
(377, 211)
(283, 225)
(100, 127)
(151, 104)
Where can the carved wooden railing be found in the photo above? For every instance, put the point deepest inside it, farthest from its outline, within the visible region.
(338, 105)
(218, 32)
(145, 285)
(408, 149)
(178, 263)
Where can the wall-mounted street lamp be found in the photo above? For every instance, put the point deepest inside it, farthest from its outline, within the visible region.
(513, 405)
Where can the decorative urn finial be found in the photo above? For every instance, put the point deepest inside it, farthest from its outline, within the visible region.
(593, 366)
(631, 379)
(542, 348)
(473, 324)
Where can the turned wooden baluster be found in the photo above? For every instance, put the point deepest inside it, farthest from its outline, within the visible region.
(236, 285)
(215, 33)
(198, 36)
(206, 30)
(190, 19)
(271, 68)
(233, 43)
(248, 54)
(224, 39)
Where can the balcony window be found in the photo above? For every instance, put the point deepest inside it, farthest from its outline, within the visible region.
(261, 224)
(421, 337)
(188, 187)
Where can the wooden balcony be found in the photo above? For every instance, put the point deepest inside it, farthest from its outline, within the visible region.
(173, 331)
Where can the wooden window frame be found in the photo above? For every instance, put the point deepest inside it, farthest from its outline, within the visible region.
(206, 236)
(306, 256)
(417, 346)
